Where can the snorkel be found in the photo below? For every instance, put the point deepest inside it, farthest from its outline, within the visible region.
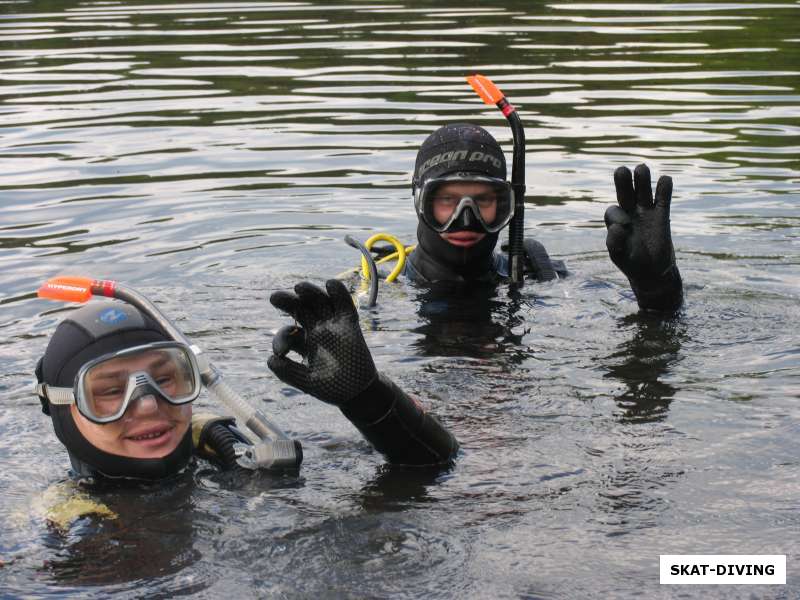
(490, 94)
(275, 450)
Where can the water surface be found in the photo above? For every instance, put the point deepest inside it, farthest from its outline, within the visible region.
(210, 153)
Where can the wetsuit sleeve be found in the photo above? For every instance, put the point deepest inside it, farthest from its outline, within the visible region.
(664, 293)
(398, 427)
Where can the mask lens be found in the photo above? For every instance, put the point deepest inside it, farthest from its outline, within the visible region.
(442, 201)
(443, 204)
(105, 390)
(108, 385)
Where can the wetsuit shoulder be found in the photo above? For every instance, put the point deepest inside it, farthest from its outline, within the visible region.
(411, 272)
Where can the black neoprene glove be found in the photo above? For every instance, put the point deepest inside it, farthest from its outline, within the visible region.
(337, 365)
(337, 368)
(639, 239)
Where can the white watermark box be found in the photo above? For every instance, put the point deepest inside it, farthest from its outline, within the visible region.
(696, 569)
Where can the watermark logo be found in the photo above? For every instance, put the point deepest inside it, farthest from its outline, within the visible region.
(696, 569)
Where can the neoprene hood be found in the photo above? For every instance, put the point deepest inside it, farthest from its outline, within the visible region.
(87, 333)
(467, 149)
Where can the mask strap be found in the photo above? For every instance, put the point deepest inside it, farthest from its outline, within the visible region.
(39, 379)
(55, 395)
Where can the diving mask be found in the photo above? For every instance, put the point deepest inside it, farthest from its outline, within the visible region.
(441, 202)
(106, 386)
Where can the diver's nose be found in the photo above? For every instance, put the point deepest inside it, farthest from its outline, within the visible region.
(144, 405)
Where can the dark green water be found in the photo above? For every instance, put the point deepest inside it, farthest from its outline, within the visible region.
(209, 154)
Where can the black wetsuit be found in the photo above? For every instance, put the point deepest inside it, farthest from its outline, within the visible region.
(398, 427)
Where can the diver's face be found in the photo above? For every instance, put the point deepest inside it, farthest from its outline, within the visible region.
(446, 201)
(150, 427)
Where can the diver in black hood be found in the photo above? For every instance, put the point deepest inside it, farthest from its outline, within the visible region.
(146, 436)
(459, 161)
(463, 200)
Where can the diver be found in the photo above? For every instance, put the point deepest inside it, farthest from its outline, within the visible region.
(463, 200)
(119, 388)
(119, 391)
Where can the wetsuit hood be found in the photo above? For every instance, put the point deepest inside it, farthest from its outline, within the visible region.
(88, 333)
(469, 150)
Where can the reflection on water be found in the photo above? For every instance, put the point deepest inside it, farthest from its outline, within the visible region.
(461, 320)
(397, 489)
(210, 153)
(642, 363)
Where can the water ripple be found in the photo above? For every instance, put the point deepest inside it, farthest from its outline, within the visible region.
(212, 153)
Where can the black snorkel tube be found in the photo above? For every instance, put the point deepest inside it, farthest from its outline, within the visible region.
(490, 94)
(275, 449)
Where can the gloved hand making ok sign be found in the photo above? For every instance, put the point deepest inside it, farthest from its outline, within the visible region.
(337, 368)
(639, 239)
(338, 365)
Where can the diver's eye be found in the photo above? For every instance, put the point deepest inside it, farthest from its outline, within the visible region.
(165, 380)
(485, 200)
(446, 201)
(109, 393)
(107, 399)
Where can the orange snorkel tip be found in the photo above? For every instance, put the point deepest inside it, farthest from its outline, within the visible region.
(75, 289)
(490, 93)
(485, 88)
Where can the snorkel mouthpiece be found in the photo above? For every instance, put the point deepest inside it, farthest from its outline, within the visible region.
(491, 94)
(275, 451)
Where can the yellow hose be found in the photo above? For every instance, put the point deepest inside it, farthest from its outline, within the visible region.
(399, 254)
